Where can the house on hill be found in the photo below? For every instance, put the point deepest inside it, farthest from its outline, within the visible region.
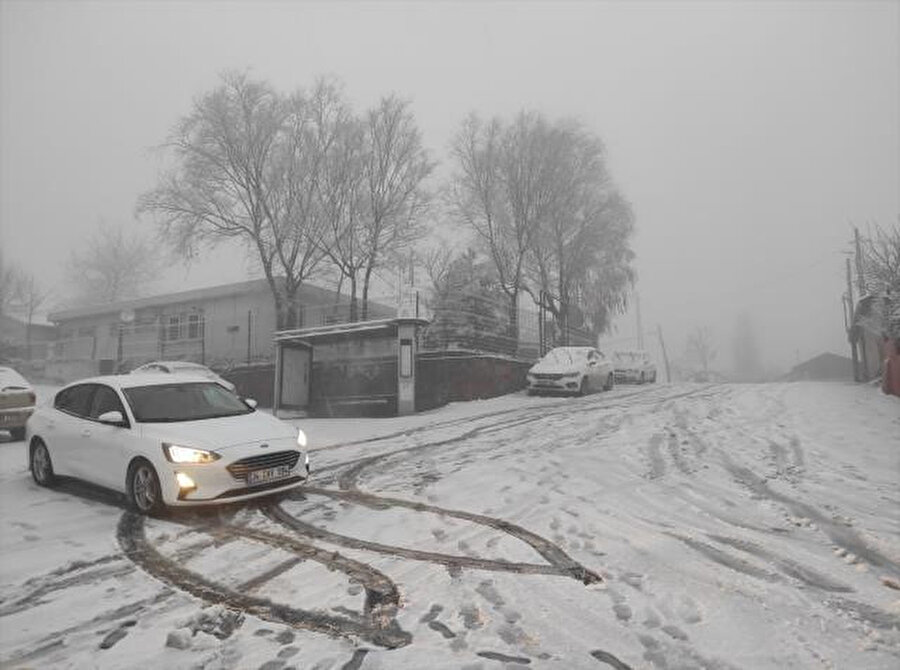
(824, 367)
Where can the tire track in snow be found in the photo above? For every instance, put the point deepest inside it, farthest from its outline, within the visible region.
(559, 563)
(376, 624)
(839, 534)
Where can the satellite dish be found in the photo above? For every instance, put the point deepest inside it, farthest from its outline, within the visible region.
(126, 316)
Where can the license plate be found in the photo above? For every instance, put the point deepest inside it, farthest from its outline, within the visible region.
(255, 477)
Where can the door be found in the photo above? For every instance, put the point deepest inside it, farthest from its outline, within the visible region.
(63, 430)
(295, 364)
(104, 448)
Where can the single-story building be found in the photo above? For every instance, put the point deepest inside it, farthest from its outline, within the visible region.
(221, 326)
(22, 340)
(824, 367)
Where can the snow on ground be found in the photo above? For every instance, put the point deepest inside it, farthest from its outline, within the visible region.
(682, 526)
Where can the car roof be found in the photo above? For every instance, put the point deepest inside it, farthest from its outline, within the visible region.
(186, 364)
(141, 379)
(9, 375)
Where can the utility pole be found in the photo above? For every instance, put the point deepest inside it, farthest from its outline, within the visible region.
(640, 328)
(662, 345)
(853, 352)
(860, 275)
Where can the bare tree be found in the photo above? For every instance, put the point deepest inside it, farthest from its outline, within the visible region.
(700, 349)
(395, 167)
(32, 296)
(580, 253)
(881, 258)
(112, 264)
(498, 191)
(10, 286)
(247, 165)
(341, 195)
(540, 200)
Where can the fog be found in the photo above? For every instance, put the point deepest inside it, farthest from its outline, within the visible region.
(749, 137)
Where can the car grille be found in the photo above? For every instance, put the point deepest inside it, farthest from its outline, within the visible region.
(239, 469)
(547, 375)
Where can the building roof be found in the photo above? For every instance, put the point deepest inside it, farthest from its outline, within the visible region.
(825, 366)
(224, 290)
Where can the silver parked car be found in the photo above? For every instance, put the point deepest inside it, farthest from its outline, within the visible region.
(634, 366)
(17, 400)
(576, 370)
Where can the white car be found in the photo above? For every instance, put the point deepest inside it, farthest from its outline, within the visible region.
(184, 367)
(576, 370)
(164, 440)
(634, 366)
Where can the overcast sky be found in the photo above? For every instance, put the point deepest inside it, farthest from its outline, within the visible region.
(748, 136)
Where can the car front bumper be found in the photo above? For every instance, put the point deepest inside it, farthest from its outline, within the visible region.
(215, 485)
(561, 385)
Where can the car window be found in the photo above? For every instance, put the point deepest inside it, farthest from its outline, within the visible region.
(105, 400)
(193, 401)
(75, 399)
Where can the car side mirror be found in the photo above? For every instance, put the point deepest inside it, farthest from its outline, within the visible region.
(112, 418)
(251, 403)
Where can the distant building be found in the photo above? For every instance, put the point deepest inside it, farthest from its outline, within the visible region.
(20, 340)
(824, 367)
(221, 326)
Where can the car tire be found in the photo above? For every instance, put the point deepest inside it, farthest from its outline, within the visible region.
(40, 464)
(583, 387)
(643, 379)
(610, 382)
(143, 489)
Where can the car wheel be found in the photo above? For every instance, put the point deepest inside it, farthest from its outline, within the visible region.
(610, 382)
(144, 493)
(583, 386)
(642, 379)
(41, 465)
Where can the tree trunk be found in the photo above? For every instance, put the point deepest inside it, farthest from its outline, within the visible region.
(513, 329)
(365, 294)
(354, 302)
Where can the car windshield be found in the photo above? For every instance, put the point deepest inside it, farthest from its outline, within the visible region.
(165, 403)
(564, 356)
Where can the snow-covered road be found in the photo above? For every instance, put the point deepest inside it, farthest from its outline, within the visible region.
(682, 526)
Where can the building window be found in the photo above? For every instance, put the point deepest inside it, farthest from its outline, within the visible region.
(173, 329)
(195, 326)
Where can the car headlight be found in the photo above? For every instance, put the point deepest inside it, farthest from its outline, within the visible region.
(301, 437)
(179, 454)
